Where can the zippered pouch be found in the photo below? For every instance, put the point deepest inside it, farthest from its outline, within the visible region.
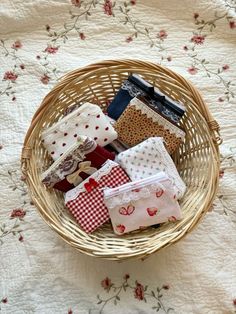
(81, 160)
(143, 203)
(86, 201)
(88, 120)
(139, 122)
(149, 158)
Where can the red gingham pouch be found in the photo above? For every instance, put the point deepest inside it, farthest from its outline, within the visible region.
(86, 201)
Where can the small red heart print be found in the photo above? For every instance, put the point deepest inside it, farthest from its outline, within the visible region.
(120, 228)
(159, 193)
(172, 219)
(152, 211)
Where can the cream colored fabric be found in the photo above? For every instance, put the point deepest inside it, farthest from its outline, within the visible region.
(41, 273)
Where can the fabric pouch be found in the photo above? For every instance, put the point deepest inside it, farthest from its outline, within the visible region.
(130, 88)
(81, 160)
(87, 120)
(143, 203)
(149, 158)
(86, 201)
(139, 122)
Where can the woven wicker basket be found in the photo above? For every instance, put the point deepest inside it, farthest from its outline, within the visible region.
(197, 159)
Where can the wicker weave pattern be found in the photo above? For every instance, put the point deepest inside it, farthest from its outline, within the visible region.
(197, 158)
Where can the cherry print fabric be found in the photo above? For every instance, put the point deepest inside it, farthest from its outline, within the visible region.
(86, 201)
(142, 203)
(87, 120)
(149, 158)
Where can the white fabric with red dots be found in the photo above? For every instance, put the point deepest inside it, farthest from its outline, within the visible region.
(87, 120)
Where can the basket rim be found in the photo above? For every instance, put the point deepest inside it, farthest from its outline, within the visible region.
(212, 125)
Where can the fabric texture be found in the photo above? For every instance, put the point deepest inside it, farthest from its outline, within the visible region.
(86, 201)
(139, 122)
(87, 120)
(143, 203)
(39, 272)
(148, 158)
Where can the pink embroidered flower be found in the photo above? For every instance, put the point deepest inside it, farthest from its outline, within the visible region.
(220, 99)
(232, 24)
(195, 15)
(10, 76)
(225, 67)
(4, 300)
(192, 70)
(120, 228)
(76, 3)
(221, 173)
(129, 39)
(126, 276)
(45, 79)
(51, 49)
(185, 48)
(106, 284)
(17, 45)
(107, 7)
(198, 39)
(18, 213)
(162, 34)
(21, 239)
(152, 211)
(139, 291)
(82, 36)
(166, 287)
(133, 2)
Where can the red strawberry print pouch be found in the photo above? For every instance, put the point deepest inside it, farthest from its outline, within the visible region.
(86, 201)
(139, 204)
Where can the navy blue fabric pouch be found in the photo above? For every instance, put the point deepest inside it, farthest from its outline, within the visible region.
(130, 88)
(136, 86)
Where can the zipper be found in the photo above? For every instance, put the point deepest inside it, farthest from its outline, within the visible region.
(161, 176)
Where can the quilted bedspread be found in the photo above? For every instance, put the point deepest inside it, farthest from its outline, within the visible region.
(40, 41)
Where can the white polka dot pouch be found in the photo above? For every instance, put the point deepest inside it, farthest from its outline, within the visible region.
(148, 158)
(87, 120)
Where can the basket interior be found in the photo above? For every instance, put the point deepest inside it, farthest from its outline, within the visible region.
(195, 160)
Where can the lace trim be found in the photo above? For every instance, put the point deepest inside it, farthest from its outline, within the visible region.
(169, 166)
(106, 169)
(132, 89)
(68, 163)
(81, 115)
(166, 112)
(132, 195)
(157, 118)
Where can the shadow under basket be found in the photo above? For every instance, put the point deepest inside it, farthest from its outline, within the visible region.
(197, 159)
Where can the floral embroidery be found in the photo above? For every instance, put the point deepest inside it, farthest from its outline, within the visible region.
(108, 7)
(10, 76)
(120, 228)
(18, 213)
(152, 211)
(198, 39)
(140, 292)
